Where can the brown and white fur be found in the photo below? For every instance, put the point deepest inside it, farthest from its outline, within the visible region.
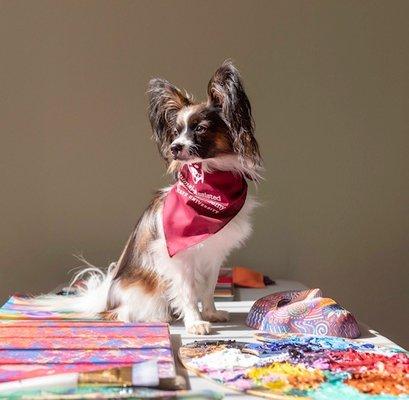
(145, 284)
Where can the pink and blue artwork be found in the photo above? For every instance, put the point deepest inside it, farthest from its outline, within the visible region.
(36, 342)
(304, 312)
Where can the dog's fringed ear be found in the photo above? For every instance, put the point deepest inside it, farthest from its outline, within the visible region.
(165, 101)
(225, 91)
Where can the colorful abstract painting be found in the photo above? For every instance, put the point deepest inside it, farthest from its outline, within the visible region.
(25, 307)
(90, 331)
(35, 342)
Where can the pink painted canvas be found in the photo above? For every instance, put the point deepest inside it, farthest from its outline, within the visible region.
(25, 307)
(35, 342)
(90, 331)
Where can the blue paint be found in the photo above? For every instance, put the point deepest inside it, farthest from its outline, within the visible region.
(306, 344)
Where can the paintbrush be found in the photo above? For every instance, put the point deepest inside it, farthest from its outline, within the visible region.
(142, 374)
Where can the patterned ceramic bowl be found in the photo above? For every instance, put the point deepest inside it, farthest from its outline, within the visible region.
(303, 311)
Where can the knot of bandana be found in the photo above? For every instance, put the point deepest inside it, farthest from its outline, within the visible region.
(200, 204)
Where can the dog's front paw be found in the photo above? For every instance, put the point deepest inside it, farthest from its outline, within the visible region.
(198, 327)
(216, 316)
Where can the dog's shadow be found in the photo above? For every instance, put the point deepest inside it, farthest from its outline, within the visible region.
(236, 323)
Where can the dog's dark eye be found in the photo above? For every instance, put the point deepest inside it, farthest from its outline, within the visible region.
(200, 129)
(175, 132)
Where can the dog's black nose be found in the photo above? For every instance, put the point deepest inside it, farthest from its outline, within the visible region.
(176, 148)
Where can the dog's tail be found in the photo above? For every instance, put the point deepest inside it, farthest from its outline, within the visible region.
(90, 297)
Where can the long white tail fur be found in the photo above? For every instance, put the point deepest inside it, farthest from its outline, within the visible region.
(91, 297)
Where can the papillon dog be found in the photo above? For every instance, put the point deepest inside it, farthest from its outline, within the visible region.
(170, 264)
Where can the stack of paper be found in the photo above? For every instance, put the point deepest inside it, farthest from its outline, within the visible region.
(224, 290)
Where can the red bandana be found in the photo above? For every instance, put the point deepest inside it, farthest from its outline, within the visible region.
(200, 204)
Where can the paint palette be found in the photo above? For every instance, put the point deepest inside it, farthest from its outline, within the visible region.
(302, 367)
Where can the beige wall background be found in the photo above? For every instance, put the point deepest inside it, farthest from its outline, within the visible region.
(329, 85)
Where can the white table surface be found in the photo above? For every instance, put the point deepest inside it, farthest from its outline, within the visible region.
(236, 329)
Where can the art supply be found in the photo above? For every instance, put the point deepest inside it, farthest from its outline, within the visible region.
(84, 393)
(224, 290)
(238, 276)
(34, 349)
(303, 367)
(142, 374)
(33, 346)
(246, 277)
(305, 312)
